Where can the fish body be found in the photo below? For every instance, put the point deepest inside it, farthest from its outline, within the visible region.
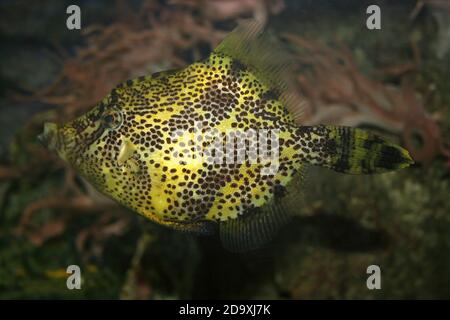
(215, 145)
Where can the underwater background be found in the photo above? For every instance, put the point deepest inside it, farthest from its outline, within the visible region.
(393, 81)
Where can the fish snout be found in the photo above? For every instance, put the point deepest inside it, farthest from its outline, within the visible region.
(49, 137)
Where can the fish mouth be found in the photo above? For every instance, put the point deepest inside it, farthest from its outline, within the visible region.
(51, 137)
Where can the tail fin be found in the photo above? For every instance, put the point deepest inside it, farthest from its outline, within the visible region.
(350, 150)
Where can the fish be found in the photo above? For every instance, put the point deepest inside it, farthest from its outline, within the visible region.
(215, 147)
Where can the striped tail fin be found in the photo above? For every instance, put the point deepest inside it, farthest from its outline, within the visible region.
(349, 150)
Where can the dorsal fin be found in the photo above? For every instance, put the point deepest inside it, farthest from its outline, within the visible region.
(265, 56)
(259, 225)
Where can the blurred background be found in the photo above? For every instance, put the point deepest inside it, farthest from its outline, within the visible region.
(394, 81)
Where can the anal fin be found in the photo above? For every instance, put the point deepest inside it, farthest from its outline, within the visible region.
(258, 226)
(254, 229)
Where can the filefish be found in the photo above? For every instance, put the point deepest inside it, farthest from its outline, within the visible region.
(126, 146)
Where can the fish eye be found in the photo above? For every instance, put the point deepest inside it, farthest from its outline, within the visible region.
(112, 119)
(109, 119)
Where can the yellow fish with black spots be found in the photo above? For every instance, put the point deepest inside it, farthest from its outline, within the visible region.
(155, 143)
